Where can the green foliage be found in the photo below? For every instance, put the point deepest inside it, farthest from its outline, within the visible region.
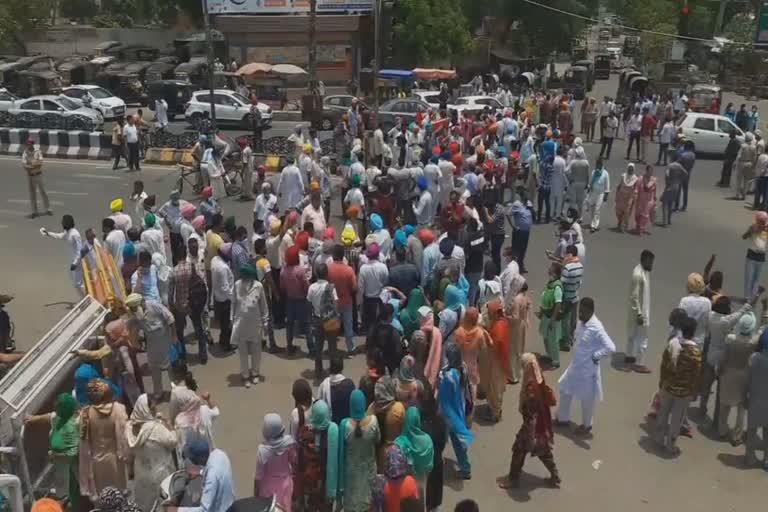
(427, 32)
(20, 16)
(77, 8)
(741, 29)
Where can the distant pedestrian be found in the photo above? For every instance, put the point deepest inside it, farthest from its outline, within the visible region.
(638, 319)
(118, 142)
(131, 134)
(72, 236)
(597, 193)
(609, 133)
(32, 161)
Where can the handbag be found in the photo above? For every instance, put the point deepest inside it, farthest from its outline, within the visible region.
(329, 314)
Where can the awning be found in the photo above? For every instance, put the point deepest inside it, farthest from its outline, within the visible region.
(435, 74)
(287, 69)
(254, 68)
(399, 74)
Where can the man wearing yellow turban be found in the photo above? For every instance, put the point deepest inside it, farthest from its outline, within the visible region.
(122, 220)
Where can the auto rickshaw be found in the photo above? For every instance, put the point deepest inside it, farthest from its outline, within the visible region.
(193, 71)
(33, 82)
(109, 77)
(76, 70)
(131, 86)
(176, 94)
(575, 81)
(160, 69)
(9, 72)
(637, 86)
(105, 48)
(590, 65)
(269, 90)
(705, 98)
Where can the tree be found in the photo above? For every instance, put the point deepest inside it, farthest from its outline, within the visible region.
(20, 16)
(428, 32)
(78, 8)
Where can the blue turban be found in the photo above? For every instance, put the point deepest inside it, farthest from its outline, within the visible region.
(421, 182)
(501, 151)
(446, 247)
(409, 229)
(434, 159)
(470, 181)
(197, 450)
(401, 240)
(129, 250)
(376, 222)
(446, 155)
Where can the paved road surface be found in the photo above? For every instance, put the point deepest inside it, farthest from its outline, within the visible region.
(618, 468)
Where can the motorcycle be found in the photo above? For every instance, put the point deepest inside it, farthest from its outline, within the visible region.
(179, 489)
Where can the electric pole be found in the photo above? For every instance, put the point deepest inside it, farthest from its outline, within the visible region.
(313, 89)
(376, 56)
(209, 44)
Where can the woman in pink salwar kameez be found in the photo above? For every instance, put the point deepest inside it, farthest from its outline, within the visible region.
(646, 201)
(625, 197)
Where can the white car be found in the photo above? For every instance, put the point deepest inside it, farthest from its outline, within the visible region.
(431, 97)
(55, 113)
(97, 98)
(231, 108)
(476, 104)
(708, 132)
(7, 100)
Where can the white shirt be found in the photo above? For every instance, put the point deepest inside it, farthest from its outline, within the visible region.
(667, 133)
(507, 275)
(222, 280)
(314, 215)
(114, 243)
(582, 379)
(262, 207)
(372, 277)
(355, 197)
(611, 127)
(154, 240)
(698, 308)
(761, 168)
(315, 295)
(602, 185)
(75, 243)
(423, 209)
(130, 133)
(290, 186)
(635, 123)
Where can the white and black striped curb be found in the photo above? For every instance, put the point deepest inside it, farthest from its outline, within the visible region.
(57, 143)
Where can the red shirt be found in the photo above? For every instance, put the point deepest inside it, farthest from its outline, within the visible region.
(293, 280)
(648, 125)
(343, 278)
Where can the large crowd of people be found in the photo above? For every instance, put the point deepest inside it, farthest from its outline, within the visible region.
(419, 266)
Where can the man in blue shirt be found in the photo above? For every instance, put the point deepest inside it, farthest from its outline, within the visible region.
(521, 226)
(218, 481)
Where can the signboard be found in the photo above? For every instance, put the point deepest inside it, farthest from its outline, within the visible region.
(286, 6)
(761, 37)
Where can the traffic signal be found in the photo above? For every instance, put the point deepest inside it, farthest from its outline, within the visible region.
(682, 25)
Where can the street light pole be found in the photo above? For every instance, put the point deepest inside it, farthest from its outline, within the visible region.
(313, 89)
(209, 44)
(376, 56)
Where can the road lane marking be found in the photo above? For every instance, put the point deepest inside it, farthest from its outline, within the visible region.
(15, 213)
(63, 193)
(98, 176)
(3, 226)
(86, 163)
(26, 201)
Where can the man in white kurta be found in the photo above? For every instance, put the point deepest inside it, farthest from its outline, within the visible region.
(597, 193)
(432, 173)
(581, 380)
(290, 187)
(639, 314)
(250, 317)
(75, 242)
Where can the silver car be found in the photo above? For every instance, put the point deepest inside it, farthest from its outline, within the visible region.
(54, 113)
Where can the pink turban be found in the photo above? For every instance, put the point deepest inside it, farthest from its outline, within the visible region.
(198, 222)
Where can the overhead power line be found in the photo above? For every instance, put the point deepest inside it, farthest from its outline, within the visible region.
(634, 29)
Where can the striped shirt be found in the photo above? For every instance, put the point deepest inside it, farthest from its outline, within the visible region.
(571, 280)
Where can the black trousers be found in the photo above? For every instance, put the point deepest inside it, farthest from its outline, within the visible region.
(683, 195)
(133, 156)
(725, 174)
(606, 147)
(662, 152)
(221, 311)
(176, 242)
(543, 202)
(761, 190)
(371, 307)
(117, 152)
(634, 137)
(497, 241)
(520, 246)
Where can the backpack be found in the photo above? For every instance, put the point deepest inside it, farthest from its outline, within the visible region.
(198, 291)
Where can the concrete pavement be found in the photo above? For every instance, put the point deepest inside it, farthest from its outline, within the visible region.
(618, 468)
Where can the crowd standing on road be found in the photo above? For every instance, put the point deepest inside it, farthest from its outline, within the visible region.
(420, 269)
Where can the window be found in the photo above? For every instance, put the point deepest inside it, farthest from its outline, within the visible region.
(726, 126)
(31, 105)
(203, 98)
(74, 93)
(242, 99)
(223, 99)
(99, 93)
(50, 106)
(704, 123)
(4, 96)
(418, 107)
(335, 101)
(345, 101)
(462, 101)
(68, 104)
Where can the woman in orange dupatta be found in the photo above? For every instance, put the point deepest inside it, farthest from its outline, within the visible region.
(498, 358)
(470, 337)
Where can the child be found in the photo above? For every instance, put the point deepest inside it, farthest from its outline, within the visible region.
(679, 378)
